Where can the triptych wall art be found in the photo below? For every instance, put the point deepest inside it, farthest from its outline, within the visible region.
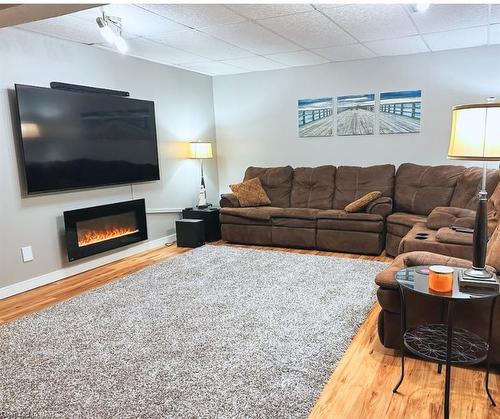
(386, 113)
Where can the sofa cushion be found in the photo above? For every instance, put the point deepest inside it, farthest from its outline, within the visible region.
(468, 185)
(450, 216)
(313, 187)
(372, 226)
(420, 189)
(350, 221)
(305, 213)
(343, 215)
(234, 219)
(254, 213)
(447, 235)
(361, 203)
(352, 182)
(250, 193)
(276, 181)
(294, 222)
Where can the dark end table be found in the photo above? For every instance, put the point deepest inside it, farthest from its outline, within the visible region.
(442, 343)
(210, 216)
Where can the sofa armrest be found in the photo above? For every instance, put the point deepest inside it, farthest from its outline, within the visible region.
(448, 216)
(385, 279)
(381, 206)
(229, 200)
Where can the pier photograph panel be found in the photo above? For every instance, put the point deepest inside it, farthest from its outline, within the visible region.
(315, 117)
(400, 112)
(356, 114)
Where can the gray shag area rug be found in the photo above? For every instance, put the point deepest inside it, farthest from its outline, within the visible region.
(218, 332)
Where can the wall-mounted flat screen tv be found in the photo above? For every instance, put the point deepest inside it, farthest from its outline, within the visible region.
(72, 140)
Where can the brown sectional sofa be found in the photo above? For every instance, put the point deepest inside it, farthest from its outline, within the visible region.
(307, 208)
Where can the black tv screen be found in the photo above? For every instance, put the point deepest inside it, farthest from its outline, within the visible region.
(73, 140)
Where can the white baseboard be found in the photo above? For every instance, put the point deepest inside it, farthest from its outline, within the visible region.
(66, 272)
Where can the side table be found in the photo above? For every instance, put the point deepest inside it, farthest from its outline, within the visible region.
(210, 216)
(443, 343)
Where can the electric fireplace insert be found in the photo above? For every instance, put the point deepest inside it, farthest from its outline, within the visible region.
(97, 229)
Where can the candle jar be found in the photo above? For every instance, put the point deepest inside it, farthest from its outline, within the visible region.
(440, 278)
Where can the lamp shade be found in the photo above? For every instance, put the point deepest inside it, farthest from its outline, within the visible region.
(475, 132)
(200, 151)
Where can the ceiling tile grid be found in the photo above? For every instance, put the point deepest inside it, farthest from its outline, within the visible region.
(219, 39)
(398, 46)
(309, 29)
(252, 37)
(369, 22)
(298, 58)
(346, 52)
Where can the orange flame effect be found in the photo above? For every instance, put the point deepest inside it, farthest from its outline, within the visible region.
(96, 236)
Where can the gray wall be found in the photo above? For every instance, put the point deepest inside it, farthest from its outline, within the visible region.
(256, 113)
(184, 111)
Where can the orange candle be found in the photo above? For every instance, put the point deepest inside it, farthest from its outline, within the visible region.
(440, 278)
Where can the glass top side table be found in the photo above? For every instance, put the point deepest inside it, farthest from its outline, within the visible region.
(441, 342)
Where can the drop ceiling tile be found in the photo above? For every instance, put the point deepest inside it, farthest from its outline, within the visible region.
(252, 37)
(256, 64)
(66, 27)
(310, 30)
(462, 38)
(370, 22)
(134, 19)
(328, 5)
(446, 17)
(153, 51)
(345, 52)
(201, 44)
(495, 34)
(399, 46)
(264, 11)
(195, 15)
(298, 58)
(214, 68)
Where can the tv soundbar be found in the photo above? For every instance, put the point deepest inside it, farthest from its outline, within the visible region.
(87, 89)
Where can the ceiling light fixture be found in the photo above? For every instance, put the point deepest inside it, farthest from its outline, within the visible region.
(419, 7)
(111, 30)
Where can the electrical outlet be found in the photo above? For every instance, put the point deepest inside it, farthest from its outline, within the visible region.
(27, 253)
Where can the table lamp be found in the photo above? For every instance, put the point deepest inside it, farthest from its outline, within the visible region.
(201, 151)
(475, 135)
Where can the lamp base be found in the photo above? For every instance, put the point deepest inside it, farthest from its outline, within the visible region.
(478, 273)
(203, 206)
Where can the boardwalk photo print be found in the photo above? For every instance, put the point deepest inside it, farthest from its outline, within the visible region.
(315, 117)
(400, 112)
(356, 115)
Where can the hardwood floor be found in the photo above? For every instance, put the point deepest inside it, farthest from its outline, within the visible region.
(30, 301)
(361, 385)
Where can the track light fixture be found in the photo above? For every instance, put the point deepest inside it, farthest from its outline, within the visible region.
(111, 30)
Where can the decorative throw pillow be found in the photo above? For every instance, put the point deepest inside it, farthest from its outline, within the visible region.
(250, 193)
(362, 202)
